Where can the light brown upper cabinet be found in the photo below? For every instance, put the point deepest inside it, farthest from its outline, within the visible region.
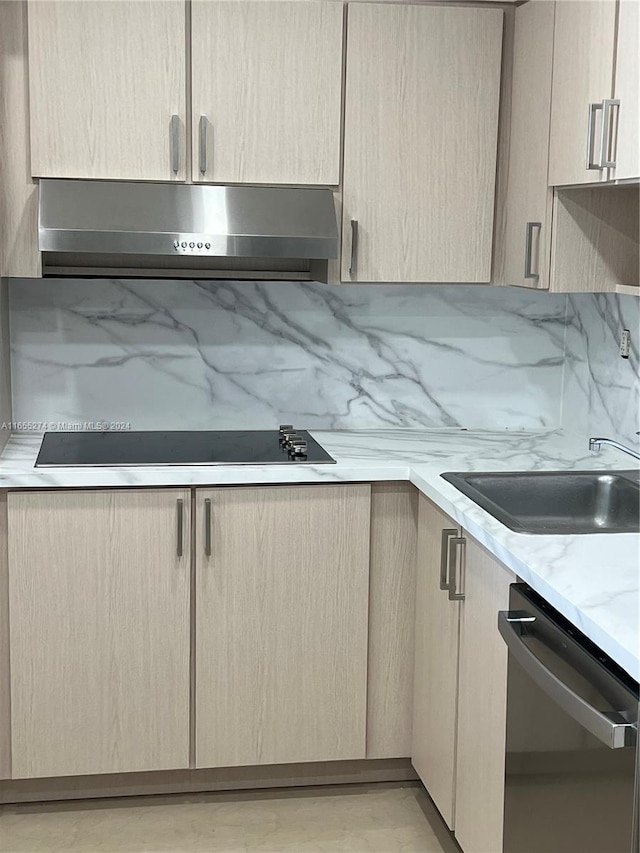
(626, 154)
(583, 55)
(266, 91)
(421, 119)
(594, 115)
(528, 202)
(108, 83)
(99, 634)
(107, 89)
(585, 239)
(282, 601)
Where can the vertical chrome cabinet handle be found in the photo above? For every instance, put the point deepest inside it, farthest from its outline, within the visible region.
(591, 137)
(605, 161)
(447, 534)
(528, 250)
(180, 532)
(353, 266)
(457, 542)
(203, 144)
(207, 527)
(175, 143)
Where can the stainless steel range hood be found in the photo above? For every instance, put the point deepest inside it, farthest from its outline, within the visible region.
(144, 225)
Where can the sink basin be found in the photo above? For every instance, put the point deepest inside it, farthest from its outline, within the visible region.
(557, 502)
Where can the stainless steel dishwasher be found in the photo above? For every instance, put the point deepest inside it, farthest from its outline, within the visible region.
(571, 745)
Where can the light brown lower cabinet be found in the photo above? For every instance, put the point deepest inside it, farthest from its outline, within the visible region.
(482, 703)
(282, 588)
(392, 586)
(99, 631)
(102, 586)
(433, 752)
(460, 680)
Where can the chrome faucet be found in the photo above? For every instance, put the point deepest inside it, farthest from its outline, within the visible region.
(596, 443)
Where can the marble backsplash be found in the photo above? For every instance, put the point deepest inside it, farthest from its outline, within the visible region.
(192, 354)
(601, 389)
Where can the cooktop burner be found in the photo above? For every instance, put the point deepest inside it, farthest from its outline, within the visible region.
(215, 447)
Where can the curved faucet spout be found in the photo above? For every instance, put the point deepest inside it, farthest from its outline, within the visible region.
(596, 444)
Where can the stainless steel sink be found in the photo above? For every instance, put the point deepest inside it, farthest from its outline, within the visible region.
(557, 502)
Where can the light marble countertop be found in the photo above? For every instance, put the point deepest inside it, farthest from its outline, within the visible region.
(594, 580)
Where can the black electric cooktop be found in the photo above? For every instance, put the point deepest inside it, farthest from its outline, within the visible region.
(215, 447)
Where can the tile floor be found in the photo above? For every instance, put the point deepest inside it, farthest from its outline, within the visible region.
(397, 818)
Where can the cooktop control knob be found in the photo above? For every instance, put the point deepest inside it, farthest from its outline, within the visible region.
(298, 449)
(285, 431)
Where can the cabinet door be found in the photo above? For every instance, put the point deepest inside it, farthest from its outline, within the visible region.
(105, 79)
(527, 217)
(421, 119)
(583, 52)
(482, 701)
(392, 593)
(266, 91)
(627, 91)
(5, 686)
(281, 625)
(436, 662)
(19, 255)
(99, 604)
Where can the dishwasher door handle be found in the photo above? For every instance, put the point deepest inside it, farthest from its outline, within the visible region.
(610, 728)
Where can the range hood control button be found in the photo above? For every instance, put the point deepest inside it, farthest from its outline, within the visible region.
(207, 245)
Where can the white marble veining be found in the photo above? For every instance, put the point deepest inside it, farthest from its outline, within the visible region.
(593, 580)
(602, 390)
(217, 355)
